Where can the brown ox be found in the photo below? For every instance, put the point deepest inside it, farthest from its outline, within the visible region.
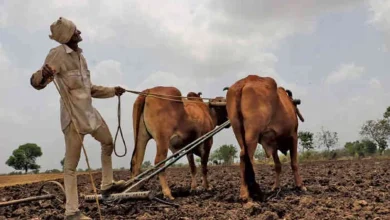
(173, 125)
(260, 112)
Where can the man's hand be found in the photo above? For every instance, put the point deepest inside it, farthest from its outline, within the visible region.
(47, 71)
(119, 90)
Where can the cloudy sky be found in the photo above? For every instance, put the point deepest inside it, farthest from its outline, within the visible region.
(332, 54)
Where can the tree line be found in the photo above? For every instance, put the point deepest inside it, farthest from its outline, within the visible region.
(374, 136)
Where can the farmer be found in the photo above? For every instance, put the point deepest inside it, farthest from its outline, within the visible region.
(73, 78)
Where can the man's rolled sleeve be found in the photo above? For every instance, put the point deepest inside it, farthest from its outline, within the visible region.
(102, 91)
(37, 80)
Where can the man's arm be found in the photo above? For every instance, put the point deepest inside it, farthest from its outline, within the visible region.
(102, 91)
(38, 80)
(106, 92)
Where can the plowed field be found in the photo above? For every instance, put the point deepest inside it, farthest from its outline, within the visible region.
(358, 189)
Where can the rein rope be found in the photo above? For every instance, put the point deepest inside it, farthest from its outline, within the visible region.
(163, 96)
(158, 96)
(119, 129)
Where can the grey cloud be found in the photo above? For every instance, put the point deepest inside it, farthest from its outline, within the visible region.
(266, 10)
(379, 12)
(348, 71)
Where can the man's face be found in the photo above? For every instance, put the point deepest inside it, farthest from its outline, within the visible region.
(76, 36)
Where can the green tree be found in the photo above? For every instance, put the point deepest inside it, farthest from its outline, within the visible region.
(62, 163)
(226, 153)
(361, 148)
(386, 115)
(215, 157)
(354, 148)
(327, 138)
(146, 164)
(306, 140)
(259, 153)
(377, 131)
(23, 158)
(369, 147)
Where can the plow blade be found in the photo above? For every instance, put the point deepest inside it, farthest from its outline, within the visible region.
(120, 196)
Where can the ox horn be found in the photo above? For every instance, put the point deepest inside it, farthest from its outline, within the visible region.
(296, 101)
(289, 93)
(226, 88)
(199, 93)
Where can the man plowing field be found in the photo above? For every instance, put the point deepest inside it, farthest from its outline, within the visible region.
(69, 67)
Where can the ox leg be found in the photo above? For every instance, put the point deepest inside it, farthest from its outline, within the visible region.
(268, 141)
(204, 159)
(239, 132)
(139, 150)
(237, 129)
(278, 170)
(251, 140)
(294, 165)
(162, 152)
(190, 157)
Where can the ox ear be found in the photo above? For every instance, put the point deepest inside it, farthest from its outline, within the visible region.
(226, 88)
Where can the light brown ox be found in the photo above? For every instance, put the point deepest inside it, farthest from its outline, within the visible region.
(260, 112)
(173, 125)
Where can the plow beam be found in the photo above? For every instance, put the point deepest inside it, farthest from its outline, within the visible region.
(141, 177)
(28, 199)
(196, 142)
(153, 171)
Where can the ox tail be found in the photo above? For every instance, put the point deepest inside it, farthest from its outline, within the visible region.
(138, 109)
(249, 173)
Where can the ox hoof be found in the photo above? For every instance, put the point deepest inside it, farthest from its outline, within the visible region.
(249, 205)
(275, 188)
(302, 188)
(170, 197)
(194, 190)
(245, 198)
(209, 188)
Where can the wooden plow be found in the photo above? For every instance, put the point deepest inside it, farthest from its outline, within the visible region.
(135, 183)
(41, 195)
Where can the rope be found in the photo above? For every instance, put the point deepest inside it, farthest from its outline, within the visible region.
(159, 95)
(119, 129)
